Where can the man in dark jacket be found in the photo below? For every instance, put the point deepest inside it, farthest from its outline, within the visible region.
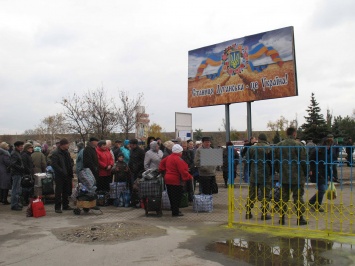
(90, 159)
(136, 159)
(27, 191)
(17, 171)
(63, 172)
(117, 149)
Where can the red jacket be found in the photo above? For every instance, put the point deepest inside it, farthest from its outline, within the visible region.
(176, 169)
(105, 159)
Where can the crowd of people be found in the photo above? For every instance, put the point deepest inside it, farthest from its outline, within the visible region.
(295, 161)
(124, 162)
(180, 161)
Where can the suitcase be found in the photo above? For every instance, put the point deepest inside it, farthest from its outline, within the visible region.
(153, 204)
(150, 188)
(47, 185)
(102, 198)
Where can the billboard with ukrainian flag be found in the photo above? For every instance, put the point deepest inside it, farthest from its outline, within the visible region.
(252, 68)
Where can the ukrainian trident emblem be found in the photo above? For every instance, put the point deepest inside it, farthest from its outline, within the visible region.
(235, 59)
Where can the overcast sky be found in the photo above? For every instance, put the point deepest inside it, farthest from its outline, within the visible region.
(51, 49)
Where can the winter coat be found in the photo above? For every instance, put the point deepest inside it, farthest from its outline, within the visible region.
(136, 161)
(121, 171)
(126, 153)
(62, 165)
(152, 157)
(291, 151)
(79, 165)
(188, 157)
(259, 158)
(5, 176)
(90, 160)
(225, 160)
(17, 167)
(39, 162)
(203, 170)
(105, 159)
(176, 170)
(27, 163)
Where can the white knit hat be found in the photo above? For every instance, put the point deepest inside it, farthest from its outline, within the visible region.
(177, 148)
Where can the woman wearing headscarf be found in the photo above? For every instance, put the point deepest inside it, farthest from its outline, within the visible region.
(168, 148)
(5, 175)
(153, 157)
(39, 160)
(176, 173)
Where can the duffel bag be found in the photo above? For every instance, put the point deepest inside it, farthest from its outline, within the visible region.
(203, 203)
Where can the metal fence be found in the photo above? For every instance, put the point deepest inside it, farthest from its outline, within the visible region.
(292, 187)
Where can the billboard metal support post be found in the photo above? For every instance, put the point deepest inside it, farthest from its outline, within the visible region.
(249, 119)
(228, 135)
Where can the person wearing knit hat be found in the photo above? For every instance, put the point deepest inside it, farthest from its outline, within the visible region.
(63, 172)
(39, 160)
(16, 175)
(4, 145)
(63, 141)
(176, 170)
(153, 157)
(177, 149)
(28, 146)
(28, 169)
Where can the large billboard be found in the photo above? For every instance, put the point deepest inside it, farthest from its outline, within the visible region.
(252, 68)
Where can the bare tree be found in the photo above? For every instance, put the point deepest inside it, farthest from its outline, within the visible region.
(101, 112)
(52, 125)
(127, 112)
(76, 115)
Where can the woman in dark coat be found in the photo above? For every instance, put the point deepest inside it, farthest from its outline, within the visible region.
(5, 176)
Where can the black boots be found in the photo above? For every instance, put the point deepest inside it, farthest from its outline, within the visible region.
(300, 221)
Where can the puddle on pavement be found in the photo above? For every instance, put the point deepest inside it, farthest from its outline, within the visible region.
(285, 251)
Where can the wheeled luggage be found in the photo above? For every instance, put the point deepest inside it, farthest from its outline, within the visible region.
(153, 204)
(150, 191)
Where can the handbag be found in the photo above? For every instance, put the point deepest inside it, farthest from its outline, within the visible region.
(27, 181)
(184, 203)
(214, 187)
(113, 189)
(38, 209)
(331, 192)
(165, 200)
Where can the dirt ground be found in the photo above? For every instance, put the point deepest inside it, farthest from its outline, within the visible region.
(107, 233)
